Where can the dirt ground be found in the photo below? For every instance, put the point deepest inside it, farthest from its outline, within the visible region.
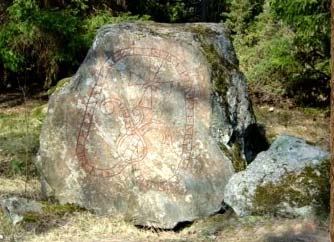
(20, 123)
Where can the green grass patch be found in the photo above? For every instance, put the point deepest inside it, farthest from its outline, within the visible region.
(19, 140)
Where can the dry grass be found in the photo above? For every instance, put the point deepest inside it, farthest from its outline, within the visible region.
(83, 226)
(309, 124)
(19, 186)
(20, 126)
(86, 227)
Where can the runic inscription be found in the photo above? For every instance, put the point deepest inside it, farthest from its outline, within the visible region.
(134, 98)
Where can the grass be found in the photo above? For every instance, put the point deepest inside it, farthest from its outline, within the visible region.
(84, 226)
(310, 124)
(20, 126)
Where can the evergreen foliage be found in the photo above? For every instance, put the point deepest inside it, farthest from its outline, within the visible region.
(40, 44)
(283, 45)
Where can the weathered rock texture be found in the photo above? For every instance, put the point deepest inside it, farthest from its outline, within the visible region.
(138, 130)
(290, 179)
(16, 208)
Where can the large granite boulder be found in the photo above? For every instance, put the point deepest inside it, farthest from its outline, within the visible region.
(290, 179)
(139, 129)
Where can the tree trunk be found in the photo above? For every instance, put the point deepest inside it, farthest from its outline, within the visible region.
(204, 9)
(332, 128)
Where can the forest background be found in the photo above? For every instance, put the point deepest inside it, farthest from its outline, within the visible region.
(283, 45)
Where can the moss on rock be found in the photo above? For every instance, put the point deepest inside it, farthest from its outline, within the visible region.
(39, 112)
(60, 209)
(308, 187)
(202, 30)
(234, 154)
(219, 72)
(62, 83)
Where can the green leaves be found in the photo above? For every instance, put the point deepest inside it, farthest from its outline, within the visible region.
(243, 13)
(22, 10)
(10, 59)
(91, 24)
(38, 42)
(17, 166)
(283, 45)
(17, 34)
(284, 49)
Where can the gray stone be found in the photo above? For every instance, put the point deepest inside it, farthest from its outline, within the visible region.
(289, 179)
(16, 208)
(139, 129)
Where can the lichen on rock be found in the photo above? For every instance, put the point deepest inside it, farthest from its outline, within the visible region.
(304, 193)
(289, 179)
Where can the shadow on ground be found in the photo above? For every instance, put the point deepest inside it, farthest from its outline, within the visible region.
(291, 236)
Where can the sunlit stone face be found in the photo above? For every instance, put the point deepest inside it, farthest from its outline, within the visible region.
(140, 113)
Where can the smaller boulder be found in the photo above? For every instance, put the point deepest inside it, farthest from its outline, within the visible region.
(16, 208)
(290, 179)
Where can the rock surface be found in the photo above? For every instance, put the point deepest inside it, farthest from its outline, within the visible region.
(289, 179)
(16, 208)
(139, 129)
